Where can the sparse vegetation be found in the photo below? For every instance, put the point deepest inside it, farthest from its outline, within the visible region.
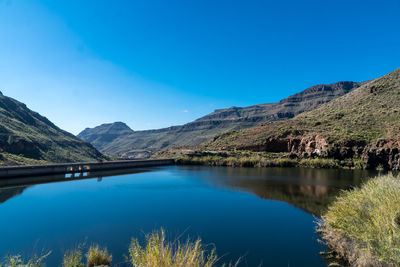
(157, 251)
(18, 261)
(363, 225)
(12, 159)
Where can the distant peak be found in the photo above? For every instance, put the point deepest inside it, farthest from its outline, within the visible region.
(120, 124)
(107, 127)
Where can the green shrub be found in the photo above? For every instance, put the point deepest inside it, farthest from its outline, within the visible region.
(285, 162)
(231, 161)
(248, 161)
(97, 256)
(359, 163)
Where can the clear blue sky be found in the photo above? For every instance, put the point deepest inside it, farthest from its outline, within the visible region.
(156, 63)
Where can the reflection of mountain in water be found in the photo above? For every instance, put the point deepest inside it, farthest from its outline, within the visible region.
(7, 193)
(309, 189)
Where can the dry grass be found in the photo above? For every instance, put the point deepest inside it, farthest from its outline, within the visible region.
(157, 252)
(363, 225)
(98, 257)
(73, 258)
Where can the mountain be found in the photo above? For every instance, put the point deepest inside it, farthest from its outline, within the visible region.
(26, 137)
(362, 125)
(104, 134)
(220, 121)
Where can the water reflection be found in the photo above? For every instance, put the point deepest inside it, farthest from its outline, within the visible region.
(309, 189)
(7, 193)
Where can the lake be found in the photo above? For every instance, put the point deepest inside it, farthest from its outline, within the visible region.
(264, 215)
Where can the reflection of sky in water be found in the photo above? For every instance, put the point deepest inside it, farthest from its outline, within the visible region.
(212, 203)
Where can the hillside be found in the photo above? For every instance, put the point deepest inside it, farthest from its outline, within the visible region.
(104, 134)
(220, 121)
(26, 137)
(363, 124)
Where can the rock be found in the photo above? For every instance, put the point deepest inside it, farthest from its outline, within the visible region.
(384, 152)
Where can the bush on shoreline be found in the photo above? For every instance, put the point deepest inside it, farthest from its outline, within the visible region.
(363, 225)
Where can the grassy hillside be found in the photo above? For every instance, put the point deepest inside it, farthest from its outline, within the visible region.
(220, 121)
(364, 123)
(26, 137)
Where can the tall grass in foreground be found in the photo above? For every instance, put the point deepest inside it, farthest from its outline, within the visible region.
(157, 252)
(363, 225)
(98, 257)
(73, 258)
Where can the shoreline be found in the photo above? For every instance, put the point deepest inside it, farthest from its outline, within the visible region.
(257, 160)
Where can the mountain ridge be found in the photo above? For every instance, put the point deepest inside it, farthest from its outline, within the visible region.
(223, 120)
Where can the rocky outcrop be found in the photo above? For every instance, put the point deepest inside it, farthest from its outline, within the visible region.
(385, 153)
(301, 147)
(21, 147)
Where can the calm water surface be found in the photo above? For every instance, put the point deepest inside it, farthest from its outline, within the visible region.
(265, 215)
